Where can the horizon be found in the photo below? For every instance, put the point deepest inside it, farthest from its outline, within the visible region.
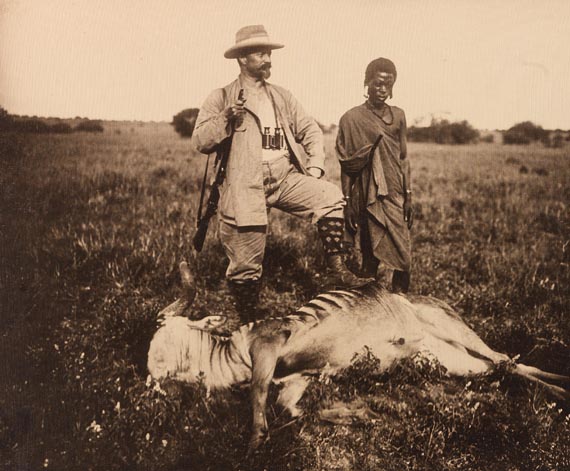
(327, 125)
(493, 64)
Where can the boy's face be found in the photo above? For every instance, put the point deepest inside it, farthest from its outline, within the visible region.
(380, 88)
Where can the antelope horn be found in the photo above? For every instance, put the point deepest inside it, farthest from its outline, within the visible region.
(178, 307)
(188, 283)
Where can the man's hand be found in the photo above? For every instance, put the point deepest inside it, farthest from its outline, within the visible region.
(408, 211)
(235, 111)
(350, 218)
(316, 172)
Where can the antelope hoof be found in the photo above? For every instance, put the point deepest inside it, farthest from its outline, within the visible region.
(256, 440)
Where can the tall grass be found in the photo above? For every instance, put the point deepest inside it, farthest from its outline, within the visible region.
(92, 230)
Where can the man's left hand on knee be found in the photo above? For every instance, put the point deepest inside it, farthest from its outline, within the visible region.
(316, 172)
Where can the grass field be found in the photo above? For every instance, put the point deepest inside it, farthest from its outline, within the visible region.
(92, 230)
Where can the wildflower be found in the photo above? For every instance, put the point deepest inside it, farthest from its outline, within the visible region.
(94, 427)
(164, 443)
(147, 436)
(46, 463)
(158, 389)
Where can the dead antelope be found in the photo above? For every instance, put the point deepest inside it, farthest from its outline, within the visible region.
(327, 331)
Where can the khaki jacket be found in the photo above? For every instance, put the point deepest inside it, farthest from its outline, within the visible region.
(242, 195)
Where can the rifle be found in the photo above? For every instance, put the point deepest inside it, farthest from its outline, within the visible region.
(222, 155)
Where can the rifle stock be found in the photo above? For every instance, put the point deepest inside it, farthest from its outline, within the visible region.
(204, 221)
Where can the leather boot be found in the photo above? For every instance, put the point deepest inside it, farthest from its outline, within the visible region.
(400, 281)
(331, 231)
(245, 297)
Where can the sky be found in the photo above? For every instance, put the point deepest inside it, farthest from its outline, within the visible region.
(493, 63)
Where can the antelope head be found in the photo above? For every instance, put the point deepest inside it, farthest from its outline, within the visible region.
(174, 347)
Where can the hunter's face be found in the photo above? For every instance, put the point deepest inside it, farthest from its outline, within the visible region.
(380, 88)
(258, 64)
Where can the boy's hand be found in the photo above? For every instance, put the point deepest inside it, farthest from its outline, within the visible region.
(350, 219)
(408, 211)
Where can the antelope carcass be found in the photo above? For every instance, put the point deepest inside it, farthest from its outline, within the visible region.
(327, 331)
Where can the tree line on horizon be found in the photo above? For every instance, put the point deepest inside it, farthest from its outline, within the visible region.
(440, 131)
(35, 125)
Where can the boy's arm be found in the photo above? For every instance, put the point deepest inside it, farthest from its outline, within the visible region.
(406, 172)
(350, 217)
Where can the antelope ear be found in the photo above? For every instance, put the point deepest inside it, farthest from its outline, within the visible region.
(208, 323)
(177, 308)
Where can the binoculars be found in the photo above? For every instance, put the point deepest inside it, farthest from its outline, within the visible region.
(274, 141)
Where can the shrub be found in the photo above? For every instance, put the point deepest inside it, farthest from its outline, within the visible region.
(444, 132)
(89, 126)
(60, 128)
(524, 133)
(420, 134)
(556, 141)
(185, 121)
(6, 121)
(32, 125)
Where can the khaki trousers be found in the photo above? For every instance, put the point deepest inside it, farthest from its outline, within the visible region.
(288, 190)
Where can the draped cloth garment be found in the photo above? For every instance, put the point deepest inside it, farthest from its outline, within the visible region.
(369, 150)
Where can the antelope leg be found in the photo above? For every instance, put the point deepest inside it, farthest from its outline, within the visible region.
(544, 375)
(528, 373)
(264, 353)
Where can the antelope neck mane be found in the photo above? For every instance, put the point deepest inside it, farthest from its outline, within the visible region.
(222, 361)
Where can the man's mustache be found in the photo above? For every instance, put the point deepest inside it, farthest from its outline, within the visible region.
(266, 66)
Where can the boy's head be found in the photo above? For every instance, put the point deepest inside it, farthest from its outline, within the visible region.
(379, 77)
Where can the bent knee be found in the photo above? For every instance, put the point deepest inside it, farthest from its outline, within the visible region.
(332, 191)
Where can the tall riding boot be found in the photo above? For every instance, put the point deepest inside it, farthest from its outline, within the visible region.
(245, 295)
(331, 231)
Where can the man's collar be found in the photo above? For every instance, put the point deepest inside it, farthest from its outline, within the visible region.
(248, 82)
